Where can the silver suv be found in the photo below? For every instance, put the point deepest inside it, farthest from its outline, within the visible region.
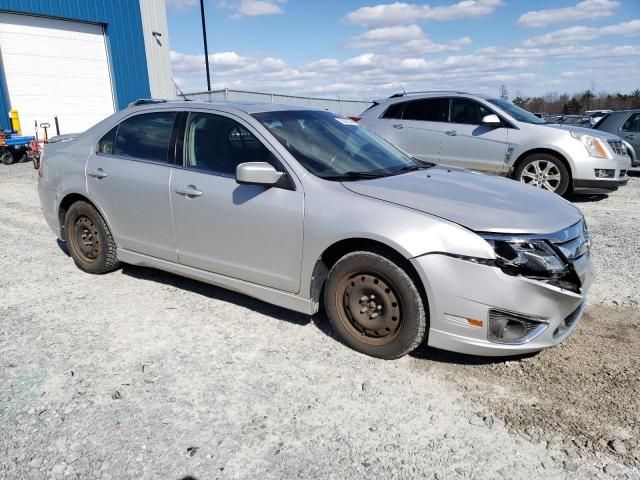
(299, 207)
(495, 136)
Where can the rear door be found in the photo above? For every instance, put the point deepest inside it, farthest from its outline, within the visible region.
(419, 128)
(248, 232)
(128, 177)
(469, 144)
(630, 131)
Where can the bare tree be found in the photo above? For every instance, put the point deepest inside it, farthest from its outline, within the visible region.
(504, 93)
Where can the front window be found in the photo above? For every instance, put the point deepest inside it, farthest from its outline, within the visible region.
(332, 147)
(218, 144)
(467, 112)
(516, 112)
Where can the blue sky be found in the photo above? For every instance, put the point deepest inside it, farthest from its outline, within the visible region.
(365, 49)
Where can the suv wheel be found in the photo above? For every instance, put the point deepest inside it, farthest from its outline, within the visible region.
(374, 306)
(543, 171)
(90, 242)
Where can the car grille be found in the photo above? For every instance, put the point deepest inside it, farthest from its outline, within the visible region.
(618, 147)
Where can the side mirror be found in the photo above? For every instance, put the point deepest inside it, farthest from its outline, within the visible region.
(257, 173)
(491, 120)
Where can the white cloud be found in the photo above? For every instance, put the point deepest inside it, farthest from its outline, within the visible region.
(409, 40)
(627, 29)
(425, 45)
(177, 4)
(371, 75)
(573, 35)
(386, 35)
(251, 8)
(400, 13)
(584, 10)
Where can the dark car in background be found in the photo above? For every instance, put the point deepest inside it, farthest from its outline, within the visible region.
(625, 124)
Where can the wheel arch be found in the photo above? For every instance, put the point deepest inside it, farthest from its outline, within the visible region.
(340, 248)
(68, 200)
(549, 151)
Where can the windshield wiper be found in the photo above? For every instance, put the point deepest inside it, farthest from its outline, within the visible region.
(421, 165)
(357, 175)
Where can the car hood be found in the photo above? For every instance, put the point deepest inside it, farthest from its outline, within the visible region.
(588, 131)
(479, 202)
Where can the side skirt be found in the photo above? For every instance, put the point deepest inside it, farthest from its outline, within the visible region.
(266, 294)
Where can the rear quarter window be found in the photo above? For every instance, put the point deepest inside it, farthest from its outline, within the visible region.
(394, 110)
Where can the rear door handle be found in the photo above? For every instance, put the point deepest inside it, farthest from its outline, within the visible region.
(99, 174)
(398, 126)
(451, 133)
(189, 191)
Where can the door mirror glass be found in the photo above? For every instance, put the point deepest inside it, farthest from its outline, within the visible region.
(257, 173)
(492, 120)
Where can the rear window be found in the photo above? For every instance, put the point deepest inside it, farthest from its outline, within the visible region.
(145, 137)
(427, 110)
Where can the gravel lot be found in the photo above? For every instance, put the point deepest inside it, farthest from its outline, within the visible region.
(141, 374)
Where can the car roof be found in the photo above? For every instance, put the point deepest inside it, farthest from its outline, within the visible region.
(404, 96)
(246, 107)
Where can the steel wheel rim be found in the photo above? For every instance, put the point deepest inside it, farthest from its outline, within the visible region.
(369, 307)
(85, 238)
(542, 174)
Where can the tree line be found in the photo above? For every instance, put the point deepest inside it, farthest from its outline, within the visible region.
(577, 103)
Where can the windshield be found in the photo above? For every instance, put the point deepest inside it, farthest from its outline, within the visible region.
(332, 147)
(520, 114)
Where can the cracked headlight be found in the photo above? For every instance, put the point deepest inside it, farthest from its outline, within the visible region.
(527, 257)
(594, 145)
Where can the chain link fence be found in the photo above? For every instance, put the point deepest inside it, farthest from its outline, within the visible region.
(347, 108)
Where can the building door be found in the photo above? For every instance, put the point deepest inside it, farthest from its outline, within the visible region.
(55, 68)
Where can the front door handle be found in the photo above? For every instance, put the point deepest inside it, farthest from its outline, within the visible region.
(99, 174)
(630, 137)
(398, 126)
(189, 191)
(451, 133)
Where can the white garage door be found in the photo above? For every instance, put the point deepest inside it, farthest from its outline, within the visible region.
(55, 68)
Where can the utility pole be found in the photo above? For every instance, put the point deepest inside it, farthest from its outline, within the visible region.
(206, 49)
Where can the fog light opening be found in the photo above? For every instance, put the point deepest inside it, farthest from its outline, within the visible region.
(511, 328)
(605, 173)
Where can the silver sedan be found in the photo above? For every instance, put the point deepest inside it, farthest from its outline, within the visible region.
(303, 208)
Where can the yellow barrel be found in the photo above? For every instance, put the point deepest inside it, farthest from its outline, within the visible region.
(15, 121)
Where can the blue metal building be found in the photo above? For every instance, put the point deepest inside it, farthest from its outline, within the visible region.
(78, 59)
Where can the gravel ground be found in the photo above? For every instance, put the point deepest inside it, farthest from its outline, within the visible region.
(141, 374)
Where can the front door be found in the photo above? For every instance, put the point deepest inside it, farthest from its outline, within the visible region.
(248, 232)
(128, 178)
(468, 143)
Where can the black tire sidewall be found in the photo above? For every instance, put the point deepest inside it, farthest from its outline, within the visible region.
(101, 263)
(7, 158)
(414, 319)
(563, 187)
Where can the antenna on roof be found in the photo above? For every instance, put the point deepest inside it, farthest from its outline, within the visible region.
(180, 91)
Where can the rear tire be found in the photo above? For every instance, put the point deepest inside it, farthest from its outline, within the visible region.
(89, 239)
(7, 158)
(544, 171)
(374, 306)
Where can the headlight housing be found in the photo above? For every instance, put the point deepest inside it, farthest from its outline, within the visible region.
(527, 257)
(594, 145)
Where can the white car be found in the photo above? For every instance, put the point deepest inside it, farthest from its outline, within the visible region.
(495, 136)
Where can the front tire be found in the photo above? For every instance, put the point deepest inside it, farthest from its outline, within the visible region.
(89, 239)
(544, 171)
(374, 306)
(7, 158)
